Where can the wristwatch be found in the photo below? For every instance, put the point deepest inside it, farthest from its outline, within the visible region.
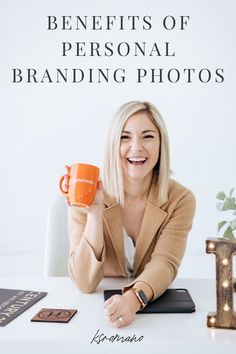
(141, 297)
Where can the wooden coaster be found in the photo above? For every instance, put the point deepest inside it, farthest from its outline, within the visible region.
(54, 315)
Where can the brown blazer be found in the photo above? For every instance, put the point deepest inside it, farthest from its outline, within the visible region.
(159, 249)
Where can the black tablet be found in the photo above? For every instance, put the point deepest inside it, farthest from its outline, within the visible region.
(171, 301)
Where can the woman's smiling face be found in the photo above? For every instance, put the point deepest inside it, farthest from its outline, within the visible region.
(139, 146)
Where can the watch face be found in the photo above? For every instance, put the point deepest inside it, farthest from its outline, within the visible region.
(143, 297)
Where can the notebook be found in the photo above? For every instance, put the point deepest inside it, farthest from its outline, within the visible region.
(171, 301)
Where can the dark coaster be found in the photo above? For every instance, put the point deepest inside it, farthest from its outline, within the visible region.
(54, 315)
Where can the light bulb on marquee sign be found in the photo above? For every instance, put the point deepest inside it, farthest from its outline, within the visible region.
(224, 317)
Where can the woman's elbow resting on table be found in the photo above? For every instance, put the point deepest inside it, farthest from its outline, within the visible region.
(84, 286)
(85, 279)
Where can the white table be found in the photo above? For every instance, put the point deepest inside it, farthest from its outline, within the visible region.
(163, 333)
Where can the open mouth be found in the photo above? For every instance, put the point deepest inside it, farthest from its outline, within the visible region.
(137, 160)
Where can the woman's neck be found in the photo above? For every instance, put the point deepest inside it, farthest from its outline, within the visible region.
(135, 189)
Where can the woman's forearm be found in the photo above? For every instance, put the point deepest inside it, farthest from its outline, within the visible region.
(87, 252)
(93, 232)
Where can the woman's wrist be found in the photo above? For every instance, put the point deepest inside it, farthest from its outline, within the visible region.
(133, 301)
(95, 211)
(95, 208)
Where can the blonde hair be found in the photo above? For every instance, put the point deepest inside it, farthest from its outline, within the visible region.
(113, 179)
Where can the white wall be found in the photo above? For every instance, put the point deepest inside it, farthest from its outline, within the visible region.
(45, 126)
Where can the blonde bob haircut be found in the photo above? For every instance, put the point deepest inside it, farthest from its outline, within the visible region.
(113, 179)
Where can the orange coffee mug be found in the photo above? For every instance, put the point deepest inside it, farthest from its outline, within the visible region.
(83, 180)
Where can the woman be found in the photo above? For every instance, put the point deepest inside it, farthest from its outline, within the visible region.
(138, 223)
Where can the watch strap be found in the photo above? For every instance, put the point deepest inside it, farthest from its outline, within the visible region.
(140, 295)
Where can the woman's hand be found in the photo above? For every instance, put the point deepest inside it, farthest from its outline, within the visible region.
(120, 310)
(98, 199)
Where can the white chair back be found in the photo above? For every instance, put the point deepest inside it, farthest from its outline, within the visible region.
(57, 242)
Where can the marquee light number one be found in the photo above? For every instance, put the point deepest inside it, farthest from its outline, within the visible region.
(224, 317)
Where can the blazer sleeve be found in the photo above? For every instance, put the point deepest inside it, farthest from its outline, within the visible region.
(83, 266)
(169, 250)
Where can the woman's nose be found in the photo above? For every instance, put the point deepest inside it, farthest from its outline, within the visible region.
(136, 145)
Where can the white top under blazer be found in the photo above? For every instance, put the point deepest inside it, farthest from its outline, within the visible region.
(129, 248)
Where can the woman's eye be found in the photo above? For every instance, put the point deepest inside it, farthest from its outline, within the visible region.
(148, 136)
(124, 137)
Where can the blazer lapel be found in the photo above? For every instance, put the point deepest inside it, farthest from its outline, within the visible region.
(112, 220)
(153, 218)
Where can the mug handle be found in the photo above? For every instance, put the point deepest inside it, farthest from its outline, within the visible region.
(60, 186)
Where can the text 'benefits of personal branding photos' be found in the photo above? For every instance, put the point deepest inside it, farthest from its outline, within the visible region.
(114, 51)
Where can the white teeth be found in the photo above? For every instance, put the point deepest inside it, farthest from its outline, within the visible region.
(137, 159)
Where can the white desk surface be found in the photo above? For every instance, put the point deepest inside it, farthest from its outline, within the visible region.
(163, 333)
